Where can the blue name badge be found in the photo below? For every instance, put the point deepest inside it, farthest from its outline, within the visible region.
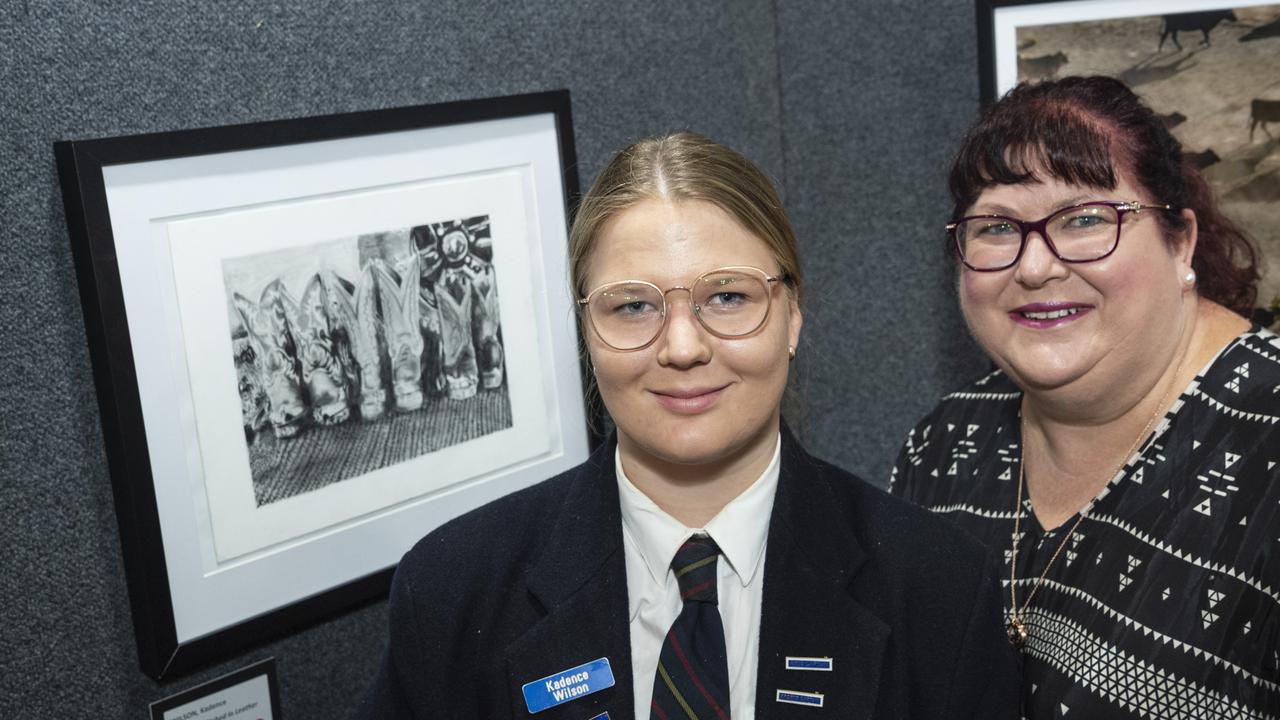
(795, 697)
(809, 663)
(567, 685)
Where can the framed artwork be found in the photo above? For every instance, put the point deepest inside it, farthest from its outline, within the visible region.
(1207, 67)
(316, 340)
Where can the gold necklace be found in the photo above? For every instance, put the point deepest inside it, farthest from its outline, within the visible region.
(1016, 630)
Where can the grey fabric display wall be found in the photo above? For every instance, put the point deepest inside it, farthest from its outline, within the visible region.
(853, 106)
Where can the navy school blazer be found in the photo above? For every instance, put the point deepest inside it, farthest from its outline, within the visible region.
(906, 605)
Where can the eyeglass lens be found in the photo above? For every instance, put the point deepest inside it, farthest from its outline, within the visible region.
(630, 315)
(1079, 234)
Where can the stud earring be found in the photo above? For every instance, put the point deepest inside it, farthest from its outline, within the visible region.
(1190, 278)
(791, 352)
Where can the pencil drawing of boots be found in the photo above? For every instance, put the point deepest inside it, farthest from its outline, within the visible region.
(355, 351)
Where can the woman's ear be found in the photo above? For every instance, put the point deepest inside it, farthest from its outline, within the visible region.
(1185, 248)
(794, 320)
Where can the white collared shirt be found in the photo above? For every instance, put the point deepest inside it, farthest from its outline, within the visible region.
(650, 540)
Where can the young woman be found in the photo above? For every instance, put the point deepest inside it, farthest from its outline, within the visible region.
(1126, 454)
(700, 564)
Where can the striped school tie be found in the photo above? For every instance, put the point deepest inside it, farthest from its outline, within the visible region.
(693, 674)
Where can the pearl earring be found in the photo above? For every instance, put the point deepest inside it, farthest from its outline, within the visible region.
(791, 352)
(1189, 278)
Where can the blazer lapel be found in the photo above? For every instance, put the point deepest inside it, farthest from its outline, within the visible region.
(580, 581)
(808, 609)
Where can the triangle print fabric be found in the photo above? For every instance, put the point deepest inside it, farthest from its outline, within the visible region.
(1165, 601)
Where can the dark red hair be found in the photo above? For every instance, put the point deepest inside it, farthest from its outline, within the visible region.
(1080, 130)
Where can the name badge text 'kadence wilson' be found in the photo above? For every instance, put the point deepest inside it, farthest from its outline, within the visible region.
(567, 685)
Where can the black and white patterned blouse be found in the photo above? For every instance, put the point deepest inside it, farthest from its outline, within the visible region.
(1165, 602)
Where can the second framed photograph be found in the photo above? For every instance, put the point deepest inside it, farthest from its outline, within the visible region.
(316, 340)
(1207, 67)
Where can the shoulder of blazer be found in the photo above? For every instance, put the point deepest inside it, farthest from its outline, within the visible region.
(508, 535)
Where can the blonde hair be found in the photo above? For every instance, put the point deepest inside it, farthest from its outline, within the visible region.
(684, 166)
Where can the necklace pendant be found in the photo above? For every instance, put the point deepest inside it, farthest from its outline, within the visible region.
(1017, 633)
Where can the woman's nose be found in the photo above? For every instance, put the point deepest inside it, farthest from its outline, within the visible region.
(684, 342)
(1038, 264)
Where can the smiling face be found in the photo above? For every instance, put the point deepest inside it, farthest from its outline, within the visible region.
(690, 397)
(1049, 324)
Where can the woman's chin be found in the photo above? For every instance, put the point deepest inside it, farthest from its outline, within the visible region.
(693, 443)
(692, 446)
(1044, 377)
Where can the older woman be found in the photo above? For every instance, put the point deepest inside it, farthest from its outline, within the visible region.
(1125, 455)
(700, 564)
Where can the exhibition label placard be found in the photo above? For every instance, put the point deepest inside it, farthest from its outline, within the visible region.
(246, 694)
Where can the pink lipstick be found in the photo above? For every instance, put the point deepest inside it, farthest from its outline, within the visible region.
(1047, 315)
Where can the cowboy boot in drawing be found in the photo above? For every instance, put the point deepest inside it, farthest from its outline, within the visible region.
(432, 344)
(271, 329)
(404, 336)
(367, 346)
(453, 297)
(486, 322)
(430, 261)
(318, 355)
(289, 402)
(254, 404)
(341, 309)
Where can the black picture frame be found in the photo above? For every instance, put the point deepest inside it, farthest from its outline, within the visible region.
(86, 169)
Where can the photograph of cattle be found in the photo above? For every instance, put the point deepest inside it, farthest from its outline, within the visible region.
(1213, 78)
(357, 353)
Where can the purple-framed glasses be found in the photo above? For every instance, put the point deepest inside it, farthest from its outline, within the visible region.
(1077, 234)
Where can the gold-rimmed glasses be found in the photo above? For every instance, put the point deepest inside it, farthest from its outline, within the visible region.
(730, 302)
